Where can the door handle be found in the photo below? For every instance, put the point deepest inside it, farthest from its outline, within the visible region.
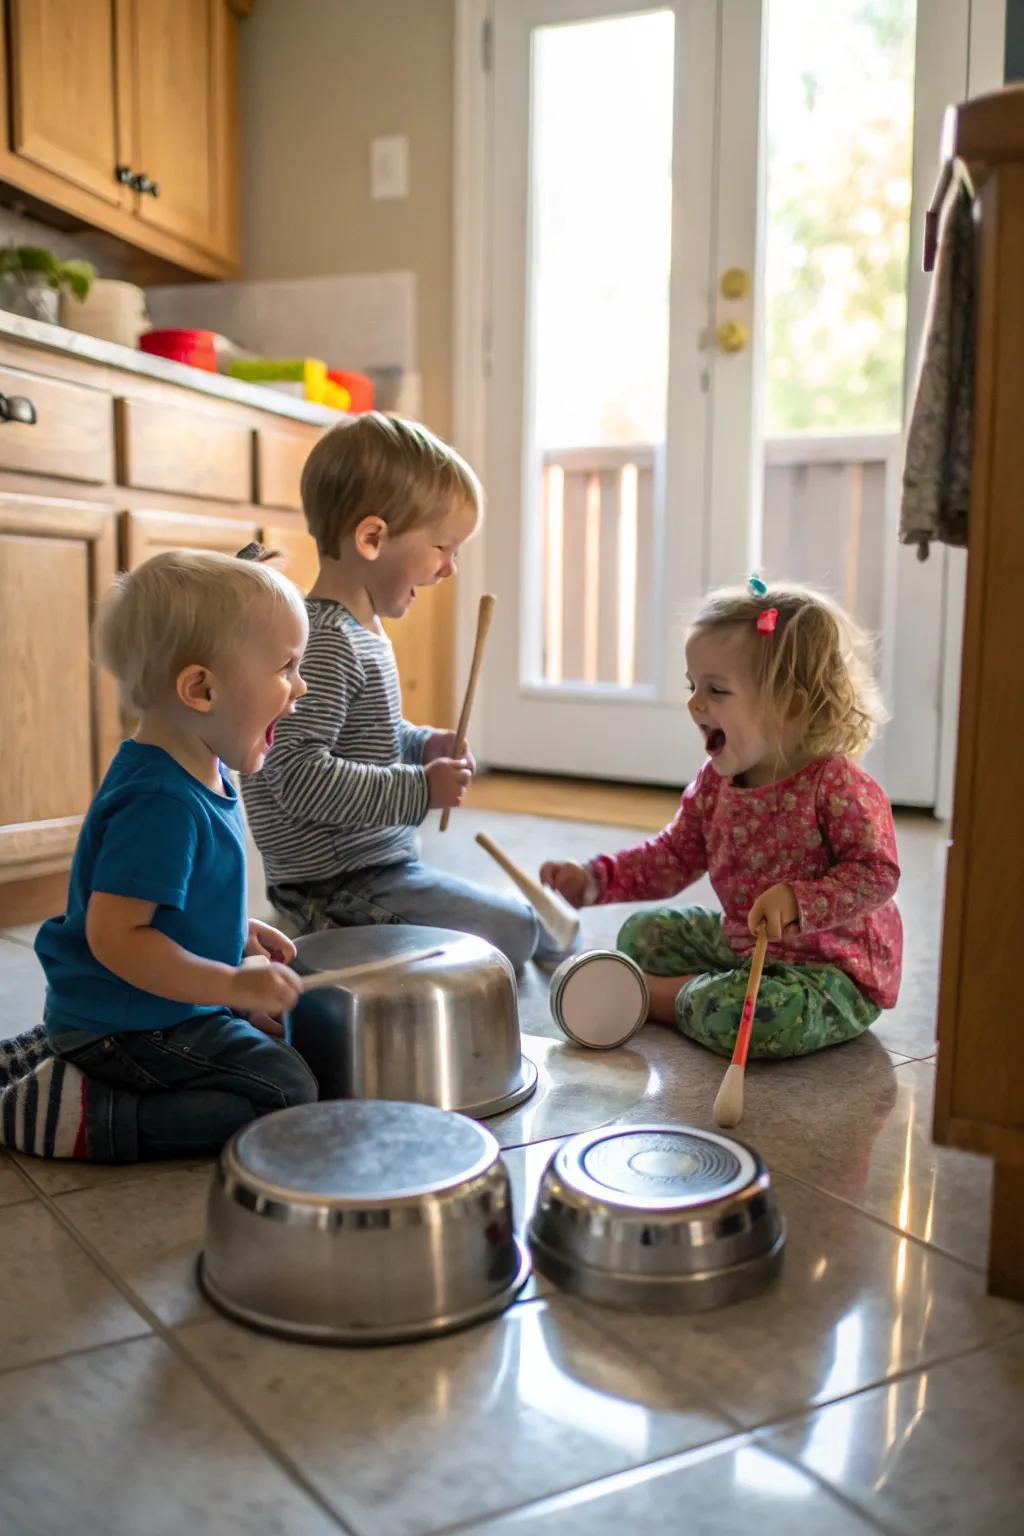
(17, 408)
(732, 336)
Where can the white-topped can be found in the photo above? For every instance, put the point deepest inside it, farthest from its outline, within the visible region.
(599, 999)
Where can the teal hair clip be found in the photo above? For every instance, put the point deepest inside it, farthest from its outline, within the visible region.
(758, 588)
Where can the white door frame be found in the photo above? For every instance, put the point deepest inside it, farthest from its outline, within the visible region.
(926, 600)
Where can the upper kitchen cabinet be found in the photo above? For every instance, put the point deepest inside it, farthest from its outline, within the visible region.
(122, 115)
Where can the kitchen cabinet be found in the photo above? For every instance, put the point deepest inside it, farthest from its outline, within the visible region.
(123, 114)
(147, 533)
(61, 723)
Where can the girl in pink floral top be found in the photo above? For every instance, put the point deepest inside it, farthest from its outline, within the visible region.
(793, 833)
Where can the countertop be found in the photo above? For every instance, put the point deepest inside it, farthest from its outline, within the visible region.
(54, 338)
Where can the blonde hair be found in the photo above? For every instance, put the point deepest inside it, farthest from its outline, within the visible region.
(180, 607)
(814, 669)
(381, 466)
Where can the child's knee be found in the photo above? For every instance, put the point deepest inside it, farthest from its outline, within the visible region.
(637, 935)
(516, 932)
(295, 1080)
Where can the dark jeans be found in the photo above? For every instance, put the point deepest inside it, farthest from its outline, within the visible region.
(181, 1092)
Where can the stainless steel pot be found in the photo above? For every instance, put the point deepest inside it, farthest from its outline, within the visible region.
(666, 1218)
(444, 1031)
(361, 1223)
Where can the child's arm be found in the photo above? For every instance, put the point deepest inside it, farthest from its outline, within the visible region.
(857, 823)
(661, 867)
(303, 771)
(118, 932)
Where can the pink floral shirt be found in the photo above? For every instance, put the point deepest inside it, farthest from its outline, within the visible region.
(827, 831)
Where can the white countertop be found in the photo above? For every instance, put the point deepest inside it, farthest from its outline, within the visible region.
(74, 344)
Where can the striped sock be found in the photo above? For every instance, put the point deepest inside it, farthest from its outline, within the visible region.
(20, 1054)
(44, 1111)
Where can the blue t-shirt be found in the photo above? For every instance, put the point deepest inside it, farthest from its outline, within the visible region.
(156, 833)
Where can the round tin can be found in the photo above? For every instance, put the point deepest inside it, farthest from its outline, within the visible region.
(599, 999)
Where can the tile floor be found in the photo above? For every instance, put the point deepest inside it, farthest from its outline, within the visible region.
(876, 1388)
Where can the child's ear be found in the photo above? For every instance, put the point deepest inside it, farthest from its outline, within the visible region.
(370, 537)
(194, 688)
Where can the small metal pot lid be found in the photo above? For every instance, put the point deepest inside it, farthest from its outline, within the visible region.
(657, 1167)
(599, 999)
(353, 1152)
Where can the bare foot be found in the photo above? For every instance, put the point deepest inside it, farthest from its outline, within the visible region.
(663, 992)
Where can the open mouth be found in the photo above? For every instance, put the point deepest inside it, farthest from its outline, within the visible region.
(714, 740)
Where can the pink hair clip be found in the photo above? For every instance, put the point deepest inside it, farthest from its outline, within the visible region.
(767, 620)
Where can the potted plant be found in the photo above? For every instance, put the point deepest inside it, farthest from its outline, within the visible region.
(31, 279)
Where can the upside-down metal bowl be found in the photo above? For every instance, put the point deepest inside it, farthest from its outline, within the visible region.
(444, 1030)
(666, 1218)
(361, 1223)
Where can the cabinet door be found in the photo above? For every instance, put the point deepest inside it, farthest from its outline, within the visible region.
(183, 89)
(147, 533)
(64, 91)
(61, 724)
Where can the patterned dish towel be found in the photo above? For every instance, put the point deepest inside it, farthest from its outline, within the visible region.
(937, 468)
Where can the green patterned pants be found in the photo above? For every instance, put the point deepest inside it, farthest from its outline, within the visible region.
(800, 1008)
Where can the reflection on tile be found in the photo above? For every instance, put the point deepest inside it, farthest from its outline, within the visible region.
(525, 1166)
(126, 1439)
(24, 989)
(12, 1185)
(936, 1454)
(537, 1401)
(855, 1304)
(729, 1492)
(870, 1141)
(150, 1231)
(576, 1090)
(53, 1298)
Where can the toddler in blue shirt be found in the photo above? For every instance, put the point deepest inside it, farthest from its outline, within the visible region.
(158, 1041)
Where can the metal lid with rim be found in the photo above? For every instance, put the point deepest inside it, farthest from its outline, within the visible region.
(599, 999)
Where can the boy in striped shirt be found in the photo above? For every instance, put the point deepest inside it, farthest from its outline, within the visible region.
(347, 781)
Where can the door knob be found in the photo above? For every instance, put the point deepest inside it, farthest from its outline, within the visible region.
(732, 336)
(735, 283)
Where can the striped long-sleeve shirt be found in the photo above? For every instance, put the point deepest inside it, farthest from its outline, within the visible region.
(343, 787)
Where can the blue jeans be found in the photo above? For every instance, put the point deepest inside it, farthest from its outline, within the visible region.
(412, 892)
(180, 1092)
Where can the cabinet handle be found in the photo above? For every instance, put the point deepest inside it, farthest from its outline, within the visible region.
(123, 174)
(142, 183)
(17, 408)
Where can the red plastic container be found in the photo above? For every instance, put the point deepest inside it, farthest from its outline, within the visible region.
(196, 348)
(358, 386)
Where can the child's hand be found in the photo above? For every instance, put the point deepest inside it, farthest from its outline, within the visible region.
(443, 744)
(569, 880)
(776, 908)
(269, 942)
(264, 989)
(447, 778)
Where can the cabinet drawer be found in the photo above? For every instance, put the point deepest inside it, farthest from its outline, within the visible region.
(164, 448)
(73, 434)
(148, 533)
(280, 458)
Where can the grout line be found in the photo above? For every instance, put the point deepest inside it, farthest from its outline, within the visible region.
(73, 1354)
(10, 938)
(880, 1221)
(167, 1334)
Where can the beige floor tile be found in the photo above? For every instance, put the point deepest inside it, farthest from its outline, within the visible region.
(23, 988)
(415, 1437)
(734, 1491)
(126, 1440)
(151, 1232)
(855, 1304)
(939, 1453)
(576, 1090)
(22, 933)
(53, 1298)
(12, 1185)
(59, 1176)
(849, 1122)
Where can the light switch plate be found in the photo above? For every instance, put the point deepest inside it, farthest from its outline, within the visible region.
(389, 167)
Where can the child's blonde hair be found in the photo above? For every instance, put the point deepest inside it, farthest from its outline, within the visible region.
(813, 669)
(381, 466)
(180, 607)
